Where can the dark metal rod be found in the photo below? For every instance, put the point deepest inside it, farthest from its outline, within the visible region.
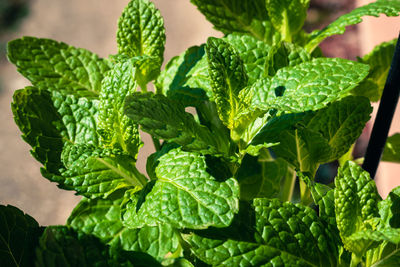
(384, 116)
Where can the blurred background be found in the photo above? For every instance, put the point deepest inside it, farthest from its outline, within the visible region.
(92, 24)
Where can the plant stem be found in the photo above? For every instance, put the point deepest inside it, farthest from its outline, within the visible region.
(288, 186)
(156, 143)
(384, 116)
(305, 193)
(354, 260)
(140, 177)
(348, 156)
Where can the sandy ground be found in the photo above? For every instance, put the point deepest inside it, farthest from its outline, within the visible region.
(90, 24)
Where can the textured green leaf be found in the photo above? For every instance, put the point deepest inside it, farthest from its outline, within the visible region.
(379, 59)
(62, 133)
(152, 160)
(287, 16)
(187, 196)
(62, 246)
(285, 235)
(387, 7)
(285, 55)
(166, 119)
(260, 177)
(324, 198)
(341, 123)
(141, 31)
(306, 139)
(96, 172)
(115, 128)
(19, 236)
(308, 86)
(244, 16)
(252, 51)
(185, 77)
(389, 234)
(228, 77)
(53, 65)
(48, 120)
(391, 152)
(356, 205)
(389, 209)
(101, 218)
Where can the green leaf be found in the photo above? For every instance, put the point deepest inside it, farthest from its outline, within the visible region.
(101, 218)
(96, 172)
(340, 123)
(391, 152)
(253, 52)
(300, 146)
(285, 55)
(187, 196)
(48, 120)
(53, 65)
(63, 246)
(390, 8)
(389, 234)
(166, 119)
(287, 16)
(185, 77)
(324, 198)
(282, 131)
(19, 236)
(141, 33)
(152, 160)
(389, 209)
(390, 260)
(62, 132)
(356, 205)
(379, 59)
(306, 139)
(271, 130)
(308, 86)
(244, 16)
(256, 150)
(284, 235)
(303, 148)
(260, 177)
(116, 129)
(228, 77)
(249, 123)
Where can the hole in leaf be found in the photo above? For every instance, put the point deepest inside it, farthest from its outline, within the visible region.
(280, 90)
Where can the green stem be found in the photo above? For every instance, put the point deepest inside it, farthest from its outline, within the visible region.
(305, 193)
(355, 260)
(347, 156)
(139, 176)
(156, 143)
(288, 185)
(143, 87)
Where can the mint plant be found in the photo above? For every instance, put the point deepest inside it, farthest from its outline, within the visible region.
(219, 189)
